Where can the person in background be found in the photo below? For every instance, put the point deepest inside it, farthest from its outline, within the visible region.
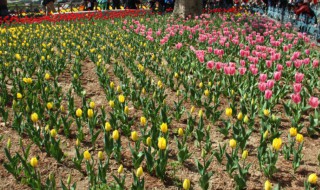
(132, 4)
(49, 6)
(304, 8)
(4, 8)
(116, 4)
(103, 4)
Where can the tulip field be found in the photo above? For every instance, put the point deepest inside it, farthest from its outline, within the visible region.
(221, 101)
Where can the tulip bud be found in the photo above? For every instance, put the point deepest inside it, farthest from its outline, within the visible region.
(9, 144)
(100, 155)
(120, 169)
(246, 119)
(53, 133)
(180, 132)
(192, 109)
(148, 141)
(92, 105)
(69, 179)
(244, 154)
(240, 116)
(186, 184)
(139, 172)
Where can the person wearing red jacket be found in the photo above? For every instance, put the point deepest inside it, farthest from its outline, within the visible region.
(304, 8)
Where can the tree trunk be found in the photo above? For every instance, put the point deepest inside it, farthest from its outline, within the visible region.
(184, 8)
(3, 8)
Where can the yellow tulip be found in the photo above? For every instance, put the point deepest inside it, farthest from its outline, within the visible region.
(265, 134)
(192, 109)
(143, 121)
(111, 104)
(34, 162)
(134, 135)
(90, 113)
(240, 116)
(299, 138)
(148, 141)
(120, 169)
(34, 117)
(139, 172)
(92, 105)
(160, 84)
(276, 143)
(180, 132)
(186, 184)
(115, 135)
(206, 93)
(53, 133)
(100, 155)
(266, 112)
(49, 105)
(200, 113)
(111, 84)
(87, 155)
(126, 110)
(162, 143)
(79, 112)
(313, 178)
(200, 85)
(245, 154)
(164, 127)
(267, 185)
(176, 75)
(107, 127)
(19, 95)
(229, 112)
(293, 132)
(233, 143)
(47, 76)
(121, 98)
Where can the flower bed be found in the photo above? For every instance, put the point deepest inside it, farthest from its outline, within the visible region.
(222, 101)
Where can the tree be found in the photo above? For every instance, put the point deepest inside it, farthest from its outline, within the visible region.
(3, 8)
(184, 8)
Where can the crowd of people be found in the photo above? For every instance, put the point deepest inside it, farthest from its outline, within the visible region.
(299, 7)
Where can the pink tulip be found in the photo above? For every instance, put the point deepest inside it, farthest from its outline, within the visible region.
(267, 94)
(263, 77)
(242, 70)
(277, 75)
(288, 63)
(270, 84)
(254, 70)
(242, 63)
(210, 64)
(218, 65)
(268, 63)
(298, 77)
(297, 87)
(315, 63)
(296, 98)
(262, 86)
(307, 51)
(314, 102)
(178, 45)
(279, 67)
